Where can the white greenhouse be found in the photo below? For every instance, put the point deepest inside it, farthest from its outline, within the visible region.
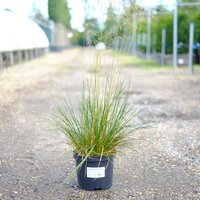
(21, 39)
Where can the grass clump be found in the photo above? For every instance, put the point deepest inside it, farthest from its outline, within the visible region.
(104, 122)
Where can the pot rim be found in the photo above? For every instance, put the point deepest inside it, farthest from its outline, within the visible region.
(94, 158)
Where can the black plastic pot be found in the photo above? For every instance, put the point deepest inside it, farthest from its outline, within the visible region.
(96, 173)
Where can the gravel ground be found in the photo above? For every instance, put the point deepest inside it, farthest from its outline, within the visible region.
(35, 161)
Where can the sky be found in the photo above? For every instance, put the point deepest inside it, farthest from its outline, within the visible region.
(79, 10)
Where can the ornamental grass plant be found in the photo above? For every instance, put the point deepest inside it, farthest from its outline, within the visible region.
(104, 123)
(105, 120)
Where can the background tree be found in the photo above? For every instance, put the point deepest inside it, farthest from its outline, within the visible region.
(126, 19)
(91, 25)
(110, 26)
(92, 31)
(59, 12)
(197, 28)
(164, 19)
(160, 21)
(78, 38)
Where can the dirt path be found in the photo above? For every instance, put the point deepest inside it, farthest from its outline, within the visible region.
(35, 161)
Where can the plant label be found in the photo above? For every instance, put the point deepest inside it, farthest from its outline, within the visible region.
(95, 172)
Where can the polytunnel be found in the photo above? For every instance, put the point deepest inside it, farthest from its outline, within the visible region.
(21, 39)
